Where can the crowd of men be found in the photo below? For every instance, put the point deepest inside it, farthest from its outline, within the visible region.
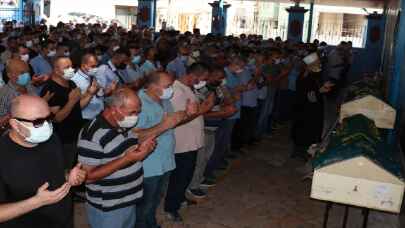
(138, 116)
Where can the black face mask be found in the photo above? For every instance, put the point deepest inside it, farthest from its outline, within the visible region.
(122, 66)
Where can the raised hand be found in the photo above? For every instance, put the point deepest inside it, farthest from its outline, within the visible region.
(93, 88)
(46, 197)
(77, 175)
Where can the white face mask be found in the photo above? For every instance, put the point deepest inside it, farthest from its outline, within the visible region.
(68, 73)
(29, 43)
(116, 48)
(167, 93)
(128, 121)
(92, 71)
(67, 54)
(51, 53)
(25, 57)
(200, 85)
(39, 134)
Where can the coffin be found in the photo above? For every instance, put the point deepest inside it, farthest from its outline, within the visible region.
(359, 182)
(358, 168)
(373, 108)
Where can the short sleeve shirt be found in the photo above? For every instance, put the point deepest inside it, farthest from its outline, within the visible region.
(189, 136)
(100, 143)
(161, 160)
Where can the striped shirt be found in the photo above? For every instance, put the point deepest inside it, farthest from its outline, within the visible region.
(99, 143)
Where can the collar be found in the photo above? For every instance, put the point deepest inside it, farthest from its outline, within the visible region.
(111, 65)
(83, 75)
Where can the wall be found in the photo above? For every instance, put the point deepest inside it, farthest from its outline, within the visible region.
(102, 8)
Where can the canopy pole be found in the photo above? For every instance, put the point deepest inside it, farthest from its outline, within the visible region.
(311, 17)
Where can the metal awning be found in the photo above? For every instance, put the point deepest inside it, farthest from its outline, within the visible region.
(350, 3)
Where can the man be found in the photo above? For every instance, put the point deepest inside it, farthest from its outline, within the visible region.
(66, 105)
(41, 64)
(112, 156)
(85, 80)
(189, 137)
(177, 67)
(155, 118)
(108, 75)
(211, 154)
(18, 83)
(30, 163)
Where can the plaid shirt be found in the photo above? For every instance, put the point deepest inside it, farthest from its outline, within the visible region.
(7, 93)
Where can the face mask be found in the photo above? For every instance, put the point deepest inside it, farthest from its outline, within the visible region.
(51, 53)
(277, 61)
(99, 57)
(24, 79)
(67, 54)
(116, 48)
(39, 134)
(68, 73)
(36, 41)
(252, 61)
(167, 93)
(128, 121)
(25, 57)
(28, 43)
(238, 71)
(92, 71)
(136, 60)
(200, 85)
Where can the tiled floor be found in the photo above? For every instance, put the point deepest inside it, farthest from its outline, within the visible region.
(264, 189)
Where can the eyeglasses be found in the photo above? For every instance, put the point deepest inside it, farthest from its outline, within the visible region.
(37, 122)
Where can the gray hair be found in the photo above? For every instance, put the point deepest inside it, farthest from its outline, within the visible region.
(118, 98)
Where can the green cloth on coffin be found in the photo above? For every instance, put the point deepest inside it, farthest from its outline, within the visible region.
(358, 136)
(363, 88)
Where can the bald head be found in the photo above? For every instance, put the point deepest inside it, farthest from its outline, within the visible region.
(15, 67)
(29, 107)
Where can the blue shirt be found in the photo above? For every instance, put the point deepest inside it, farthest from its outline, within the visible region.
(233, 81)
(40, 65)
(177, 67)
(96, 104)
(249, 98)
(161, 160)
(292, 79)
(106, 74)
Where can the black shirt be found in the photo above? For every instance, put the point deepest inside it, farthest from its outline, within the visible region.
(23, 171)
(68, 130)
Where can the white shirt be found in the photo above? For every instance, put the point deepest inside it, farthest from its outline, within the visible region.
(189, 136)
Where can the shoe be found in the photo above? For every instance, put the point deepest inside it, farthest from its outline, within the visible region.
(197, 193)
(174, 216)
(208, 183)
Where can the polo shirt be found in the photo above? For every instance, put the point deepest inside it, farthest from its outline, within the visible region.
(161, 160)
(106, 74)
(189, 136)
(100, 143)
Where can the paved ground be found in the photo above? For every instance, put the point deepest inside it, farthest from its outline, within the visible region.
(264, 189)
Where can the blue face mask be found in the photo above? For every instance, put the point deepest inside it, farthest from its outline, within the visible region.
(136, 60)
(184, 58)
(24, 79)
